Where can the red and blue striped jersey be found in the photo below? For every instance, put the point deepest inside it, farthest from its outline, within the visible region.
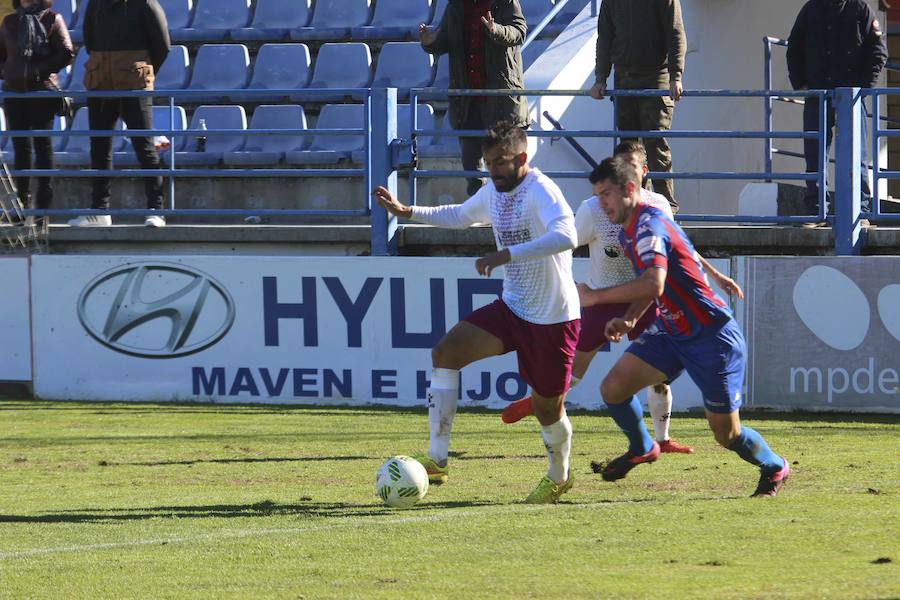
(688, 304)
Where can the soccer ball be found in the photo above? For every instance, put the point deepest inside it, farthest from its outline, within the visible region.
(401, 481)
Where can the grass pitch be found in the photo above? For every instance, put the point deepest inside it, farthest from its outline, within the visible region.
(198, 501)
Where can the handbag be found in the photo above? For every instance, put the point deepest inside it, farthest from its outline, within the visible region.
(66, 107)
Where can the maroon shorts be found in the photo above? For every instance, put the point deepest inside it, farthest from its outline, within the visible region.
(545, 352)
(594, 320)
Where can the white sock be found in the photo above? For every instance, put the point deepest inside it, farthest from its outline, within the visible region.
(558, 441)
(442, 399)
(660, 406)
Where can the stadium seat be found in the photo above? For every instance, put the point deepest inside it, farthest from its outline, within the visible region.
(425, 120)
(77, 148)
(403, 65)
(178, 14)
(395, 19)
(534, 49)
(76, 79)
(329, 149)
(340, 65)
(441, 74)
(59, 141)
(441, 146)
(438, 12)
(261, 150)
(213, 19)
(173, 75)
(333, 20)
(274, 19)
(160, 120)
(76, 32)
(278, 67)
(66, 9)
(535, 11)
(219, 67)
(216, 117)
(4, 141)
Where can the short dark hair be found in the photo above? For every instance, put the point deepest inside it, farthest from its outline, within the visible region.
(507, 135)
(632, 147)
(617, 170)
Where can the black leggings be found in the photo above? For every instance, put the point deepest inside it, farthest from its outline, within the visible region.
(26, 114)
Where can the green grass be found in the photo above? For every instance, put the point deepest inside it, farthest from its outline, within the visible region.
(199, 501)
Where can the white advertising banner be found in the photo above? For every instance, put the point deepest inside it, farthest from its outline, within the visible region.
(15, 326)
(319, 330)
(825, 333)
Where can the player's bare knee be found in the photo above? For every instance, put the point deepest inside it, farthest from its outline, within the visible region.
(443, 356)
(610, 390)
(725, 436)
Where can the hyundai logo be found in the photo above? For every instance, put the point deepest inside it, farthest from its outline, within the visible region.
(156, 310)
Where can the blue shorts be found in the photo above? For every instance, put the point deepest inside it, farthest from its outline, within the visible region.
(714, 360)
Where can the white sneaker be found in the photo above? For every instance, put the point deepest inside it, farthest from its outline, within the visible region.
(155, 221)
(91, 221)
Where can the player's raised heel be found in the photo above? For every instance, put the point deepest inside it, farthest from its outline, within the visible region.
(618, 467)
(670, 446)
(517, 410)
(548, 491)
(769, 485)
(436, 473)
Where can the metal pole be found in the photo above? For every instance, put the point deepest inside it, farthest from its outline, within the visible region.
(767, 119)
(172, 152)
(822, 158)
(382, 127)
(847, 231)
(875, 209)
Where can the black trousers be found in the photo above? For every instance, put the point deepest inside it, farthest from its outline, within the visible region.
(137, 114)
(32, 113)
(470, 147)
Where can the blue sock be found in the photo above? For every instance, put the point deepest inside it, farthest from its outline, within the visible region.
(629, 416)
(751, 446)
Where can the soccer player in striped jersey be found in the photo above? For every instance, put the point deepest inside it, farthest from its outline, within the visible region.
(695, 332)
(609, 267)
(538, 314)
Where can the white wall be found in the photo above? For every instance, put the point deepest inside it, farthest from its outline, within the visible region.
(725, 51)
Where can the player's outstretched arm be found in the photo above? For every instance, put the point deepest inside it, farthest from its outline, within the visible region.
(646, 288)
(724, 282)
(387, 201)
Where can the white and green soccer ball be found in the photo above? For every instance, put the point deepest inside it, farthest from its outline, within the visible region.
(401, 481)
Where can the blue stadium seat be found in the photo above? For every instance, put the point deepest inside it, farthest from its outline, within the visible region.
(59, 141)
(274, 19)
(77, 149)
(441, 74)
(160, 120)
(66, 8)
(216, 117)
(76, 79)
(213, 19)
(278, 66)
(439, 7)
(4, 141)
(441, 146)
(333, 20)
(219, 67)
(329, 149)
(76, 32)
(264, 150)
(178, 13)
(535, 11)
(534, 49)
(395, 19)
(340, 65)
(425, 118)
(403, 65)
(173, 75)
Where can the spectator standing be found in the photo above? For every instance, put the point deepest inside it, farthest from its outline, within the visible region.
(645, 41)
(127, 42)
(834, 43)
(483, 40)
(34, 46)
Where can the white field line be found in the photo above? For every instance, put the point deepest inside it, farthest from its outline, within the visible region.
(445, 515)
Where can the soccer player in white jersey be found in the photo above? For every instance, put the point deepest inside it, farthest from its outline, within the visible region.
(537, 315)
(610, 267)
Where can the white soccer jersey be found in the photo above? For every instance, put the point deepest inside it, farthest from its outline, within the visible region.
(608, 265)
(535, 223)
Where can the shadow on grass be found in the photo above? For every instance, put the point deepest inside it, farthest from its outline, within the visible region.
(228, 461)
(266, 508)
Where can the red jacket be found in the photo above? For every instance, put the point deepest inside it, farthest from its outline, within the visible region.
(25, 74)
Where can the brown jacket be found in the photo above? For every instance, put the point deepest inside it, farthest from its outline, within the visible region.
(644, 38)
(29, 73)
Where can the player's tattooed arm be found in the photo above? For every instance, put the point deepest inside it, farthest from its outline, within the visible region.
(647, 287)
(619, 327)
